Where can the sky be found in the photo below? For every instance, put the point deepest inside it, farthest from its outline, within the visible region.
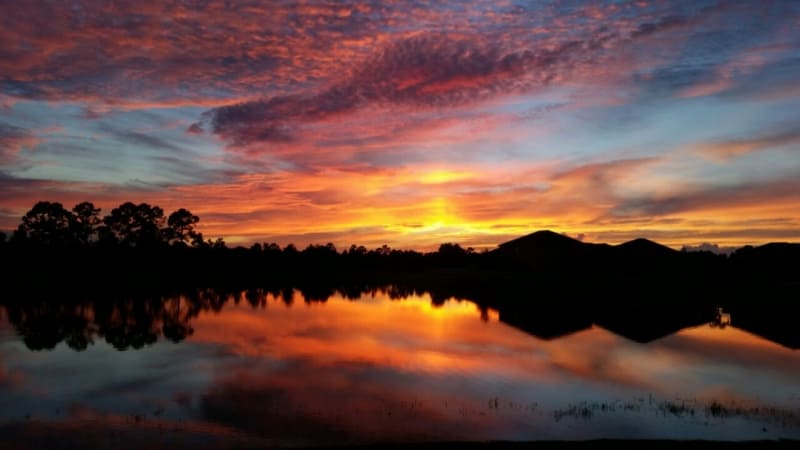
(410, 123)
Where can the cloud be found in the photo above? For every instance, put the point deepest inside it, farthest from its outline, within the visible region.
(665, 23)
(708, 247)
(194, 129)
(605, 172)
(723, 48)
(748, 194)
(726, 150)
(131, 50)
(443, 71)
(19, 194)
(13, 139)
(210, 52)
(146, 140)
(428, 71)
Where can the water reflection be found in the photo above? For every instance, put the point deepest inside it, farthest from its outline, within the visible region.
(132, 322)
(300, 368)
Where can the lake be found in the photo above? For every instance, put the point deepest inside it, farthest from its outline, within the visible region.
(280, 368)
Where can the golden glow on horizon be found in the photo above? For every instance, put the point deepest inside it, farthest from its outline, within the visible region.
(421, 209)
(444, 176)
(479, 207)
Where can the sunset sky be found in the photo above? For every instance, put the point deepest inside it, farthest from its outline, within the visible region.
(410, 123)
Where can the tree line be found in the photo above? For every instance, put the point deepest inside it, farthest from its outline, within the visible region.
(51, 225)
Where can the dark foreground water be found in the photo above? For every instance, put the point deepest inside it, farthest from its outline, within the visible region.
(373, 370)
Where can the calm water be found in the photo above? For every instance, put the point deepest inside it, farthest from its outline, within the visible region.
(375, 369)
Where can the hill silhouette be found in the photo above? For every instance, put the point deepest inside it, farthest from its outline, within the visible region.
(553, 252)
(541, 241)
(644, 248)
(552, 247)
(547, 244)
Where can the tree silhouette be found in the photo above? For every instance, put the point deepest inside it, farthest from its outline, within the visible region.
(218, 244)
(47, 223)
(177, 312)
(85, 223)
(135, 225)
(180, 228)
(451, 250)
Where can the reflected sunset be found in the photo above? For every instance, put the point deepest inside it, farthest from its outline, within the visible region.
(356, 370)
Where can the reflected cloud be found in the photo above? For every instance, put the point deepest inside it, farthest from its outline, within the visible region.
(370, 367)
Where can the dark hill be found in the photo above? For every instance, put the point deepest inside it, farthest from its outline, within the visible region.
(556, 254)
(643, 257)
(544, 240)
(644, 248)
(549, 251)
(547, 245)
(777, 260)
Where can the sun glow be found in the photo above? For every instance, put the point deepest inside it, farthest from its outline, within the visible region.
(444, 176)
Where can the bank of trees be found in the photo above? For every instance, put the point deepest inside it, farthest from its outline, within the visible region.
(50, 224)
(139, 247)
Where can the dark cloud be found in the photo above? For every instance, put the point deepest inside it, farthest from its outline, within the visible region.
(669, 79)
(194, 129)
(145, 140)
(132, 50)
(714, 49)
(13, 139)
(10, 132)
(12, 187)
(93, 113)
(744, 194)
(439, 71)
(18, 194)
(775, 81)
(426, 71)
(603, 175)
(665, 23)
(184, 169)
(731, 148)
